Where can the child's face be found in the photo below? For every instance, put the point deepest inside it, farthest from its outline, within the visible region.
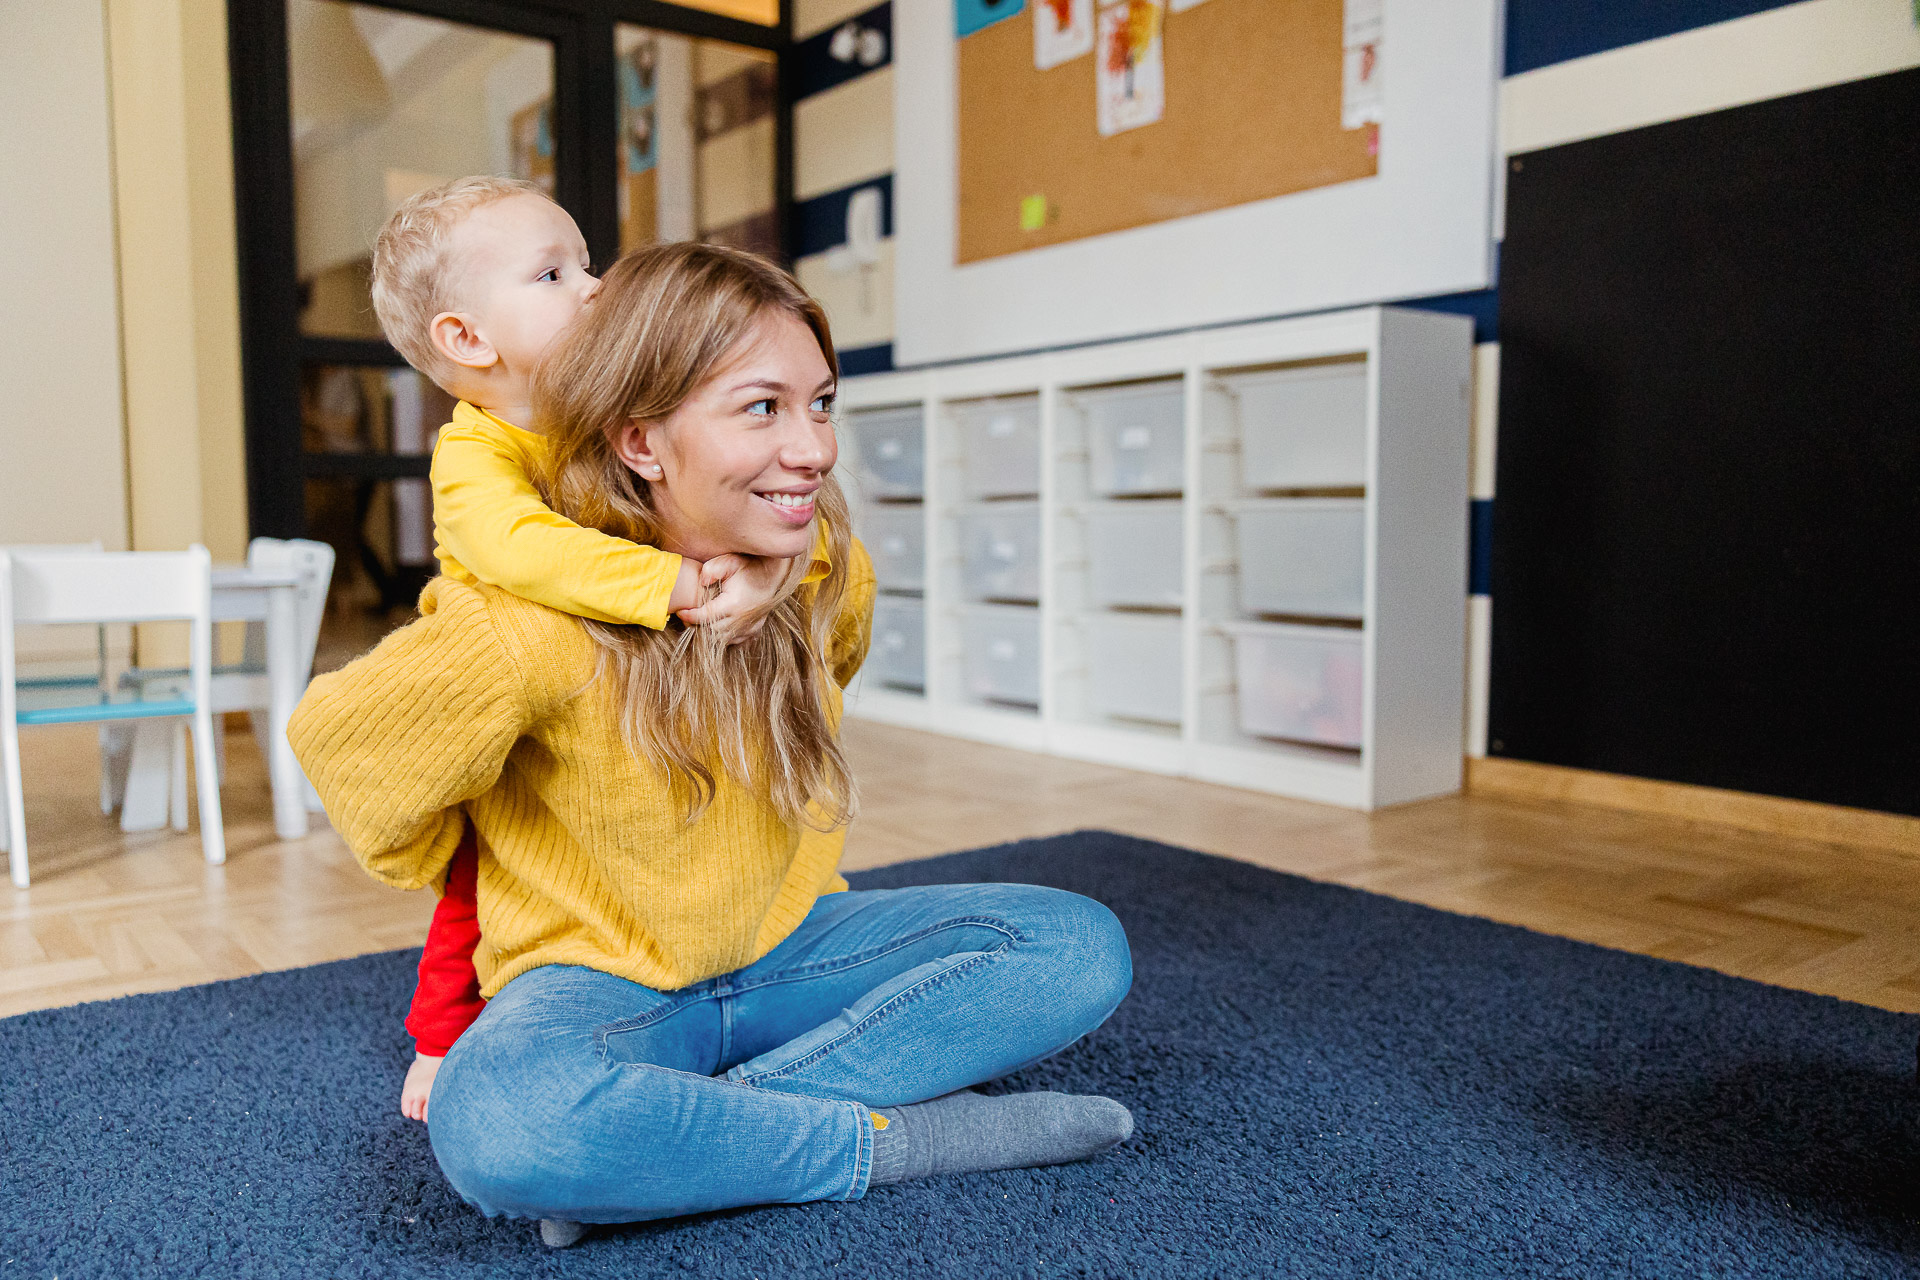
(521, 275)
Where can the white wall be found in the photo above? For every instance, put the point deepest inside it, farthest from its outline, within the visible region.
(62, 447)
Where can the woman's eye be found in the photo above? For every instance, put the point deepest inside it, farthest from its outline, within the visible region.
(761, 408)
(822, 404)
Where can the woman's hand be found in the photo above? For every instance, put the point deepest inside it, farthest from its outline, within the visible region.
(418, 1086)
(744, 587)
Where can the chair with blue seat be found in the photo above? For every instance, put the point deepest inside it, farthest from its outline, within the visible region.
(245, 685)
(41, 588)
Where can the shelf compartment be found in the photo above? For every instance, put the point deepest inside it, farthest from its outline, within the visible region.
(1000, 653)
(1134, 552)
(1299, 683)
(896, 538)
(1000, 550)
(890, 445)
(1302, 428)
(1000, 446)
(1133, 666)
(1303, 556)
(1135, 437)
(897, 657)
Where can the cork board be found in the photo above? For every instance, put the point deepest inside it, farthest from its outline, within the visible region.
(1252, 111)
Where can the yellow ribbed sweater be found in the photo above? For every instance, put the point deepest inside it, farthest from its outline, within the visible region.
(487, 707)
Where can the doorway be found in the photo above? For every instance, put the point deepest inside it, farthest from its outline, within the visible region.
(646, 121)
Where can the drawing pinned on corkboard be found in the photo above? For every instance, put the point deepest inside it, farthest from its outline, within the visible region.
(970, 16)
(1062, 31)
(1131, 76)
(1360, 80)
(1180, 109)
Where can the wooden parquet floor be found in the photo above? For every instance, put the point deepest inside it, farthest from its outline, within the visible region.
(110, 914)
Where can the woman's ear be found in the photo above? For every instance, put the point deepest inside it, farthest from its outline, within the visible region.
(635, 443)
(455, 337)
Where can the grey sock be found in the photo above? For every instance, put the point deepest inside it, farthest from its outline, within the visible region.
(557, 1233)
(967, 1132)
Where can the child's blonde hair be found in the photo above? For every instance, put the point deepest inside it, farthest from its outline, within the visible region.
(692, 704)
(412, 279)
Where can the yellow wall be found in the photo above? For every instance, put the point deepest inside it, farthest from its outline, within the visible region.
(179, 289)
(63, 473)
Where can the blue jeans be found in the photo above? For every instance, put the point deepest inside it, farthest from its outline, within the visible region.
(583, 1096)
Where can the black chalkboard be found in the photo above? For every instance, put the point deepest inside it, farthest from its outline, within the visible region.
(1706, 545)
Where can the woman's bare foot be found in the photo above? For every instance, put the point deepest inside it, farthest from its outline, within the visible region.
(418, 1087)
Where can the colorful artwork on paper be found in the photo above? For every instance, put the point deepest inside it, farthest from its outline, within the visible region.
(970, 16)
(637, 122)
(1130, 79)
(1062, 31)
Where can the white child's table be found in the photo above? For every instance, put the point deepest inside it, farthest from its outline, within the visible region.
(240, 594)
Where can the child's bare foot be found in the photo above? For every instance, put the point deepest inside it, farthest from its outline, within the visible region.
(418, 1087)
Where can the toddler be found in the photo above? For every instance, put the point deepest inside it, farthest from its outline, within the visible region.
(472, 282)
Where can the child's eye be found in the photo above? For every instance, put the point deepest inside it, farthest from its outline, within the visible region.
(551, 274)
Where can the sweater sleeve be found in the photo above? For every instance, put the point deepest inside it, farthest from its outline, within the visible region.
(397, 740)
(491, 520)
(447, 998)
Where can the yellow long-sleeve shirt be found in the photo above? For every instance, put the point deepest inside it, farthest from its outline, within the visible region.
(490, 525)
(488, 705)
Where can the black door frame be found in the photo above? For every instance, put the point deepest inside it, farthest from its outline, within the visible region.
(586, 146)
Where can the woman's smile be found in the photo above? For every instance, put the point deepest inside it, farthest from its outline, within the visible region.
(794, 506)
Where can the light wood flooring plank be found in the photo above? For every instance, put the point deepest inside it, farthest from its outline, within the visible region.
(112, 915)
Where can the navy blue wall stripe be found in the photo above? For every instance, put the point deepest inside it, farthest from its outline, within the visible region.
(821, 223)
(866, 360)
(814, 66)
(1543, 32)
(1482, 305)
(1480, 547)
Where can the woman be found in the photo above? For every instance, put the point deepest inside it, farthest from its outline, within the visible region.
(689, 1010)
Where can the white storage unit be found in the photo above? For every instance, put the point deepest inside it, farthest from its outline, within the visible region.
(1303, 556)
(890, 446)
(1000, 550)
(1301, 683)
(897, 656)
(1135, 437)
(1001, 442)
(1360, 417)
(1135, 553)
(1302, 428)
(1133, 666)
(1001, 653)
(895, 536)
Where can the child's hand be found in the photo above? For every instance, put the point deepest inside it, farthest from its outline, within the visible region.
(745, 588)
(418, 1086)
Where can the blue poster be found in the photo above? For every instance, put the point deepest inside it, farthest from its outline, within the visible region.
(970, 16)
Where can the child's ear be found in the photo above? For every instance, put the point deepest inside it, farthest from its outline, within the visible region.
(635, 442)
(454, 336)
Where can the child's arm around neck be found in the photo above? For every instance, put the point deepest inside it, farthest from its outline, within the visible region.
(492, 526)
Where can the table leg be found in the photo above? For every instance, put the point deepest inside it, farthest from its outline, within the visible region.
(143, 805)
(284, 686)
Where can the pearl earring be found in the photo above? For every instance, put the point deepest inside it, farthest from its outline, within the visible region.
(656, 470)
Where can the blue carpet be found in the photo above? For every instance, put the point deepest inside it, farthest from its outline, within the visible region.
(1326, 1082)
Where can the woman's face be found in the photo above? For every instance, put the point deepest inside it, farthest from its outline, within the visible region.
(736, 466)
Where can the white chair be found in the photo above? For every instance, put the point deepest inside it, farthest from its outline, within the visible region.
(42, 588)
(245, 685)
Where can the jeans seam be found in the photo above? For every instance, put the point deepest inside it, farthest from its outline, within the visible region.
(647, 1019)
(843, 963)
(893, 1004)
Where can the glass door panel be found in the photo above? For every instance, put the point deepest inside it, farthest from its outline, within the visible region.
(696, 149)
(385, 104)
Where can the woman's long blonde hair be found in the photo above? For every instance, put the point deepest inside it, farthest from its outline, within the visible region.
(690, 703)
